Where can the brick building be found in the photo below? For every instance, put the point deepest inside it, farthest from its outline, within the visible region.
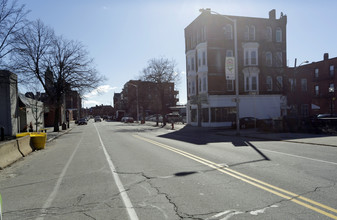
(315, 88)
(149, 98)
(209, 39)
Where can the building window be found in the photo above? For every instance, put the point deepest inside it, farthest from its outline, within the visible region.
(223, 114)
(230, 85)
(316, 72)
(205, 84)
(279, 61)
(269, 59)
(304, 85)
(292, 83)
(316, 90)
(252, 33)
(279, 81)
(331, 87)
(269, 82)
(269, 34)
(192, 64)
(278, 35)
(204, 58)
(228, 32)
(305, 110)
(250, 57)
(193, 87)
(332, 70)
(251, 83)
(189, 88)
(229, 53)
(199, 59)
(199, 85)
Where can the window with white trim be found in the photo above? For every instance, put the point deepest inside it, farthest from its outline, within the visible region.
(205, 84)
(251, 83)
(316, 72)
(252, 33)
(332, 70)
(250, 57)
(204, 58)
(269, 59)
(192, 64)
(269, 82)
(199, 85)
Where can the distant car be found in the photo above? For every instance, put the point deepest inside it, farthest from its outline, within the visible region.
(97, 118)
(82, 121)
(174, 118)
(127, 120)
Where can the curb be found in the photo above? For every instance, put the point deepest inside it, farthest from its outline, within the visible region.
(59, 134)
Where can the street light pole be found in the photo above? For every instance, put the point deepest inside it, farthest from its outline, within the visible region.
(294, 80)
(137, 99)
(237, 100)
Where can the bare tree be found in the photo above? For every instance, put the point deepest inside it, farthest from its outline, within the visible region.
(12, 16)
(162, 72)
(59, 65)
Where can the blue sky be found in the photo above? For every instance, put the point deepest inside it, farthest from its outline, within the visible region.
(123, 35)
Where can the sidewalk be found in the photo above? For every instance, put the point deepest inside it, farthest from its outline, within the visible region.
(306, 138)
(51, 135)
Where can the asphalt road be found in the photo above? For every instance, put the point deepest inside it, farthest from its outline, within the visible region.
(111, 170)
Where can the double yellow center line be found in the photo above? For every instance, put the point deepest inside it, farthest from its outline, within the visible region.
(303, 201)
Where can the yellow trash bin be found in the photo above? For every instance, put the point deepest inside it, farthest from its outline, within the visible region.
(38, 139)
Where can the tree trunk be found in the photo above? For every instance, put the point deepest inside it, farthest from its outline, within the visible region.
(57, 118)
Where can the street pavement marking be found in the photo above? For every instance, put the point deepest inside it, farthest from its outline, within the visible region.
(255, 182)
(53, 194)
(126, 200)
(293, 155)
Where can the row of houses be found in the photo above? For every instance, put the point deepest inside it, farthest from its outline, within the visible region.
(267, 88)
(29, 111)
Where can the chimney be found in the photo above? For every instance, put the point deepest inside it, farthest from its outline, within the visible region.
(272, 14)
(326, 56)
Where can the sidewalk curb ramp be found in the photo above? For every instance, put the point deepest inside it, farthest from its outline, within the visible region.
(13, 150)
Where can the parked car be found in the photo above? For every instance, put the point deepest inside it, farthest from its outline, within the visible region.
(82, 121)
(98, 118)
(127, 120)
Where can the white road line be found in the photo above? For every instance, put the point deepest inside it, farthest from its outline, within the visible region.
(52, 196)
(292, 155)
(126, 200)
